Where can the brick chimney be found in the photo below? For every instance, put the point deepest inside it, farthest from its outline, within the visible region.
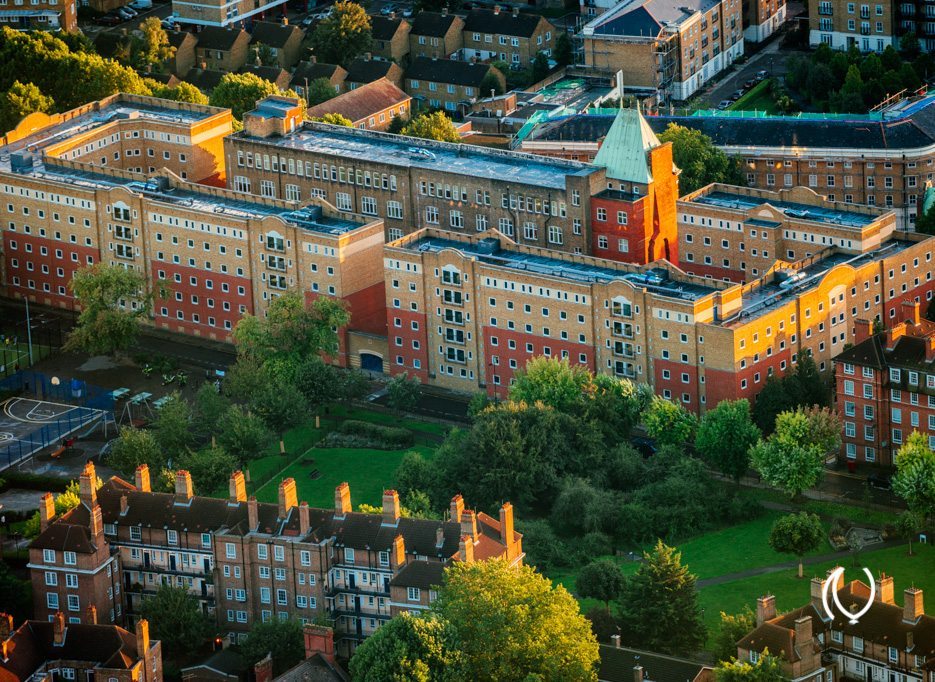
(506, 529)
(304, 519)
(885, 592)
(457, 507)
(469, 524)
(285, 21)
(398, 553)
(253, 514)
(390, 508)
(913, 608)
(615, 640)
(287, 497)
(803, 631)
(342, 500)
(92, 614)
(863, 330)
(930, 348)
(183, 484)
(142, 637)
(516, 11)
(96, 521)
(58, 628)
(141, 476)
(910, 312)
(86, 490)
(765, 609)
(638, 673)
(817, 586)
(237, 488)
(894, 334)
(46, 511)
(6, 625)
(263, 670)
(319, 640)
(466, 549)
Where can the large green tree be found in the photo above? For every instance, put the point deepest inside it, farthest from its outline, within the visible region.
(668, 422)
(183, 92)
(243, 434)
(344, 35)
(208, 408)
(172, 426)
(240, 92)
(410, 648)
(114, 302)
(403, 392)
(281, 406)
(435, 125)
(176, 620)
(725, 436)
(134, 447)
(210, 468)
(734, 626)
(700, 161)
(797, 534)
(20, 100)
(766, 669)
(281, 639)
(658, 608)
(320, 90)
(553, 382)
(914, 480)
(602, 580)
(156, 48)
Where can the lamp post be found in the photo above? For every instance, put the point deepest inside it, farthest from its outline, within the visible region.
(28, 329)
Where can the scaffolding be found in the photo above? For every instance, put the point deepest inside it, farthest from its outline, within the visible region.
(666, 53)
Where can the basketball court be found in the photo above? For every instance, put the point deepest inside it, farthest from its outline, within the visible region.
(28, 425)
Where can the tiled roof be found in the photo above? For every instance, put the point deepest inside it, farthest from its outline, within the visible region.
(422, 574)
(70, 533)
(214, 38)
(362, 102)
(907, 353)
(273, 34)
(447, 71)
(274, 74)
(384, 28)
(617, 665)
(369, 70)
(204, 79)
(314, 669)
(521, 25)
(176, 38)
(33, 643)
(312, 70)
(224, 663)
(433, 24)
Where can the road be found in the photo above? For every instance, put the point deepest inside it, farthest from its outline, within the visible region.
(161, 11)
(771, 58)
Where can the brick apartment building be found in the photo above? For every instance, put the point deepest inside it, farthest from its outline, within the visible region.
(514, 37)
(671, 48)
(889, 642)
(42, 15)
(450, 84)
(247, 561)
(436, 34)
(62, 650)
(221, 14)
(371, 107)
(868, 26)
(762, 18)
(885, 387)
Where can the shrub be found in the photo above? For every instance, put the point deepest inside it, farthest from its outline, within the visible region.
(29, 481)
(392, 437)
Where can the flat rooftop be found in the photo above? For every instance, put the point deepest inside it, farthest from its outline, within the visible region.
(792, 209)
(405, 152)
(656, 279)
(271, 108)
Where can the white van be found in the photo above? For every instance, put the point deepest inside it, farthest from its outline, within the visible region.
(142, 4)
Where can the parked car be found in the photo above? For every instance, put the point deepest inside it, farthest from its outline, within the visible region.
(750, 83)
(169, 23)
(879, 480)
(408, 12)
(109, 20)
(724, 103)
(307, 21)
(141, 5)
(125, 13)
(762, 75)
(735, 95)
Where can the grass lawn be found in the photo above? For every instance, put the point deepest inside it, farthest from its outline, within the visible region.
(759, 98)
(369, 473)
(13, 354)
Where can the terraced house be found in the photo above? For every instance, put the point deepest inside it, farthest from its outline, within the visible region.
(512, 37)
(450, 84)
(247, 561)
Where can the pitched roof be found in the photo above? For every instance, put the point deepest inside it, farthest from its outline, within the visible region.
(69, 533)
(645, 18)
(433, 24)
(422, 574)
(223, 663)
(522, 25)
(315, 668)
(274, 34)
(447, 71)
(204, 79)
(224, 39)
(176, 38)
(369, 70)
(908, 352)
(311, 70)
(617, 665)
(359, 103)
(274, 74)
(384, 28)
(623, 152)
(33, 643)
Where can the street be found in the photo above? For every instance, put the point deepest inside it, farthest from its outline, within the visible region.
(773, 59)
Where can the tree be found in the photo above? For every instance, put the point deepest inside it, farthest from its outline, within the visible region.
(20, 101)
(669, 422)
(805, 385)
(292, 331)
(615, 406)
(492, 82)
(416, 474)
(540, 67)
(183, 92)
(908, 525)
(264, 55)
(210, 468)
(246, 378)
(766, 669)
(318, 382)
(511, 624)
(344, 35)
(658, 608)
(281, 639)
(563, 49)
(113, 302)
(601, 579)
(281, 406)
(176, 620)
(797, 534)
(914, 480)
(925, 221)
(406, 648)
(172, 426)
(700, 161)
(134, 447)
(320, 90)
(725, 437)
(15, 594)
(209, 407)
(772, 400)
(403, 392)
(240, 92)
(397, 123)
(733, 628)
(553, 382)
(64, 502)
(243, 434)
(334, 119)
(432, 126)
(156, 48)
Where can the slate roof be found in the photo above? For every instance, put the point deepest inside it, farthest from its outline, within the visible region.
(33, 643)
(314, 669)
(504, 23)
(422, 574)
(204, 79)
(69, 533)
(369, 70)
(215, 38)
(447, 71)
(176, 38)
(274, 74)
(908, 352)
(384, 28)
(224, 663)
(646, 18)
(273, 34)
(360, 103)
(433, 24)
(617, 665)
(313, 70)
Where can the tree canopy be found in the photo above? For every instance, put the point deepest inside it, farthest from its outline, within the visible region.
(914, 481)
(700, 161)
(334, 119)
(320, 90)
(602, 580)
(669, 422)
(766, 669)
(176, 620)
(240, 92)
(797, 534)
(281, 639)
(20, 100)
(344, 35)
(725, 436)
(432, 126)
(407, 648)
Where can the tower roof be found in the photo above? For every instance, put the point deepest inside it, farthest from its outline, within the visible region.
(624, 151)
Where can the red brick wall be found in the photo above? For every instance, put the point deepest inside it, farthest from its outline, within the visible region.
(407, 335)
(521, 355)
(52, 255)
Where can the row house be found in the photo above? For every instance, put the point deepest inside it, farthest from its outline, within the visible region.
(436, 34)
(450, 84)
(515, 37)
(247, 562)
(390, 37)
(372, 106)
(888, 642)
(885, 387)
(284, 41)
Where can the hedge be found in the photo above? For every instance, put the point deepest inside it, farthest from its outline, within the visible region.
(391, 436)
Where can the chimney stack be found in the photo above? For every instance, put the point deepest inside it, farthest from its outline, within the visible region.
(46, 511)
(863, 330)
(803, 631)
(885, 591)
(913, 608)
(910, 640)
(86, 482)
(894, 334)
(390, 507)
(319, 640)
(253, 514)
(287, 497)
(765, 609)
(457, 508)
(237, 488)
(615, 640)
(342, 500)
(58, 628)
(638, 673)
(141, 476)
(142, 637)
(96, 521)
(469, 524)
(285, 21)
(506, 528)
(263, 670)
(92, 614)
(910, 311)
(183, 484)
(304, 519)
(6, 625)
(466, 549)
(398, 554)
